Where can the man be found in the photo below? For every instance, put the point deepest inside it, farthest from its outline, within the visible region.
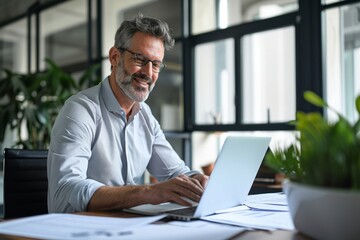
(105, 137)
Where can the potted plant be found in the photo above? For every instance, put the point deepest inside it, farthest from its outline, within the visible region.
(323, 173)
(29, 103)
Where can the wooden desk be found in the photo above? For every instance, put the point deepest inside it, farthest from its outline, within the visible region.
(248, 235)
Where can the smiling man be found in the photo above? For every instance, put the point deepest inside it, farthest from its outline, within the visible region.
(105, 137)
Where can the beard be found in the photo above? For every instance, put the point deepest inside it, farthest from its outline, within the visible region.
(124, 81)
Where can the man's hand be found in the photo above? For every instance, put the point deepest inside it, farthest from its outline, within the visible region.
(203, 179)
(178, 188)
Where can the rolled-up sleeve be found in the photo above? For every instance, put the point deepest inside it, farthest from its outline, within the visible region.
(70, 150)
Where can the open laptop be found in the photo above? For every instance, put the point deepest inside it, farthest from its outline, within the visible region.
(229, 184)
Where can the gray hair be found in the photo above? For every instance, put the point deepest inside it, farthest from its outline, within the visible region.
(148, 25)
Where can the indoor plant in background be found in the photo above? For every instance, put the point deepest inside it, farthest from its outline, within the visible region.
(29, 103)
(323, 174)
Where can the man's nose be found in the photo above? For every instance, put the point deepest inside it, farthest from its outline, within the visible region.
(147, 69)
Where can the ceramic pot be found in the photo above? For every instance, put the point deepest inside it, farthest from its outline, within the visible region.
(324, 213)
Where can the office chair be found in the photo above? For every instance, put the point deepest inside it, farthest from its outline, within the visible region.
(25, 182)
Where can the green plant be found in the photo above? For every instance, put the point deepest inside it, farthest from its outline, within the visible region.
(29, 103)
(325, 153)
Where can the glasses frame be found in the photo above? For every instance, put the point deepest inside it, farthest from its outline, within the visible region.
(144, 60)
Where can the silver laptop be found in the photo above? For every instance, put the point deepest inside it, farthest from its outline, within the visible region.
(229, 184)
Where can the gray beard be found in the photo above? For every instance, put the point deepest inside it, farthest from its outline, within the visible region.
(124, 80)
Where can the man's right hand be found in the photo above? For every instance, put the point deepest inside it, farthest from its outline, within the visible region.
(175, 190)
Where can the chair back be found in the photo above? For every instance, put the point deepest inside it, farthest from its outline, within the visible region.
(25, 182)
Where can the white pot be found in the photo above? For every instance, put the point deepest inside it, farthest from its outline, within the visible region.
(324, 213)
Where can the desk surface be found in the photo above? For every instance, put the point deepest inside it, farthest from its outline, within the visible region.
(249, 235)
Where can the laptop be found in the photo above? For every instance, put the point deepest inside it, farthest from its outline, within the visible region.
(229, 184)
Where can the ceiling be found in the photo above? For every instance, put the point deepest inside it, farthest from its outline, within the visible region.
(12, 8)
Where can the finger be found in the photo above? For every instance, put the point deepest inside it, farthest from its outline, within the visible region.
(204, 180)
(190, 184)
(184, 192)
(197, 182)
(180, 200)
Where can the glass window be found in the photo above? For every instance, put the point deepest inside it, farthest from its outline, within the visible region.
(167, 98)
(64, 33)
(13, 46)
(215, 83)
(342, 58)
(206, 146)
(330, 1)
(268, 76)
(217, 14)
(116, 11)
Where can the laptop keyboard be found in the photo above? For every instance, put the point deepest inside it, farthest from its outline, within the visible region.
(190, 211)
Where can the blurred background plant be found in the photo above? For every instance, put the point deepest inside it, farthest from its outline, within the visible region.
(325, 154)
(29, 103)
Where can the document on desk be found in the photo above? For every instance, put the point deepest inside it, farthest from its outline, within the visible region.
(180, 230)
(264, 211)
(73, 226)
(255, 219)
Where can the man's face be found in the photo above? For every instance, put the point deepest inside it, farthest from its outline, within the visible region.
(137, 81)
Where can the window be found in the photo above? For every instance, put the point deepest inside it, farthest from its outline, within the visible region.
(330, 1)
(64, 34)
(215, 83)
(209, 15)
(342, 58)
(268, 75)
(207, 145)
(13, 47)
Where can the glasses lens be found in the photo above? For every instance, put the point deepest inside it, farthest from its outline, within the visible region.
(157, 66)
(140, 61)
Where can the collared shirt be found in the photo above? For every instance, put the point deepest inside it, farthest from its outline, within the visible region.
(93, 144)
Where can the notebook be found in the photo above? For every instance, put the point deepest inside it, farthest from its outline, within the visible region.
(229, 184)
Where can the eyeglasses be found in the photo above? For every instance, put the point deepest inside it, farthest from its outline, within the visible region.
(140, 60)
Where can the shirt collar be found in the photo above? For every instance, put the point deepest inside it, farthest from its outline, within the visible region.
(111, 102)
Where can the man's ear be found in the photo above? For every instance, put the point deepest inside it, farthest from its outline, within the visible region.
(114, 55)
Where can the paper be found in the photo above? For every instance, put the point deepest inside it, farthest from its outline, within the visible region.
(268, 201)
(176, 230)
(254, 219)
(72, 226)
(267, 198)
(268, 211)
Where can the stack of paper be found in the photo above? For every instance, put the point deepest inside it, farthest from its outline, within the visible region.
(262, 211)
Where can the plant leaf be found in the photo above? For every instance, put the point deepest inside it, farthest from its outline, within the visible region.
(357, 104)
(314, 99)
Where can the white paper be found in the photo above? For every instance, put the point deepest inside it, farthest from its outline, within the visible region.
(268, 201)
(267, 211)
(268, 207)
(265, 220)
(176, 230)
(72, 226)
(267, 198)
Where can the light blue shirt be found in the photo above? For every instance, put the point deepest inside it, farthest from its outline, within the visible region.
(92, 144)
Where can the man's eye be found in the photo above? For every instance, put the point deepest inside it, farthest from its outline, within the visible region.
(156, 64)
(139, 60)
